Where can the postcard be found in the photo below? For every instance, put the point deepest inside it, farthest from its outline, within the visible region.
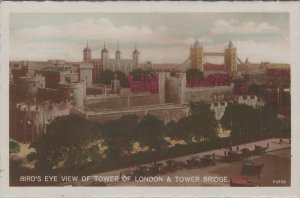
(150, 99)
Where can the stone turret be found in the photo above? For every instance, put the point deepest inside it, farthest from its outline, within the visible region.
(196, 56)
(73, 92)
(87, 53)
(230, 58)
(104, 57)
(118, 53)
(135, 56)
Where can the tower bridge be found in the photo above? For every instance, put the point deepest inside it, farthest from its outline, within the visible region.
(197, 55)
(213, 54)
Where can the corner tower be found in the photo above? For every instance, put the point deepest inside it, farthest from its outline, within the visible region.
(230, 58)
(196, 56)
(104, 57)
(118, 53)
(87, 53)
(135, 56)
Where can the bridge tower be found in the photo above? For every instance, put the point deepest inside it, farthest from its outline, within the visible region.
(196, 56)
(230, 58)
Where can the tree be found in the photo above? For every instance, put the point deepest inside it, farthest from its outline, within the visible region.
(138, 73)
(120, 135)
(257, 90)
(152, 132)
(241, 119)
(200, 124)
(193, 73)
(269, 117)
(183, 130)
(204, 124)
(121, 76)
(14, 147)
(69, 139)
(107, 77)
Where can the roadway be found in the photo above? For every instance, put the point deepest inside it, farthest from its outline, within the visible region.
(276, 171)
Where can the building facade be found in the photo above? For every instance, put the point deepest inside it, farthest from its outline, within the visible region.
(118, 63)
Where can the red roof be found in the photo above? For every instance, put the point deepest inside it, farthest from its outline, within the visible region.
(211, 80)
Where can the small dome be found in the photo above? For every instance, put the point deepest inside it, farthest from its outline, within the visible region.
(87, 49)
(196, 44)
(136, 51)
(104, 50)
(230, 45)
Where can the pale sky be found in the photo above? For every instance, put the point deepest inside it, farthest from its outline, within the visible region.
(160, 37)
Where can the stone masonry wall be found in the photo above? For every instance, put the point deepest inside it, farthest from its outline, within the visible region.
(120, 102)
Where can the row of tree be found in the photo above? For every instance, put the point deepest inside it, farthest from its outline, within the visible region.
(199, 125)
(242, 119)
(109, 75)
(194, 73)
(75, 140)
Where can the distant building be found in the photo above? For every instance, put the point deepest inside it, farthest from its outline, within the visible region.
(55, 75)
(25, 88)
(250, 100)
(118, 63)
(105, 62)
(96, 64)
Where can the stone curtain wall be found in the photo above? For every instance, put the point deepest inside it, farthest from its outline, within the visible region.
(208, 94)
(120, 102)
(174, 113)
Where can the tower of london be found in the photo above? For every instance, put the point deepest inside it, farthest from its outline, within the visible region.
(115, 64)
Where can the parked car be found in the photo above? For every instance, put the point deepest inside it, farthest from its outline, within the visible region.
(193, 162)
(258, 150)
(232, 156)
(245, 152)
(250, 168)
(207, 160)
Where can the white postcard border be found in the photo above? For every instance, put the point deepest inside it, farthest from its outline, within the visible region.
(9, 7)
